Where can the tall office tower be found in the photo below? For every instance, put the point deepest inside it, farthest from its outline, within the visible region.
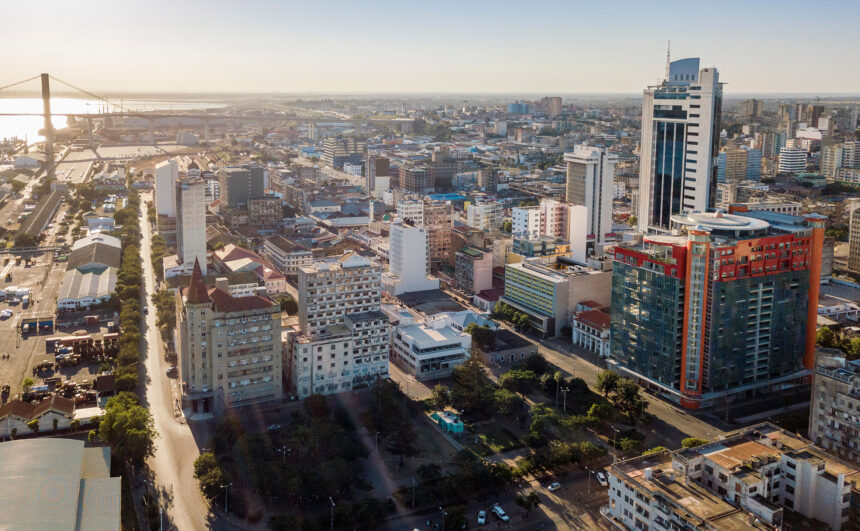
(416, 179)
(792, 160)
(800, 112)
(732, 165)
(191, 222)
(409, 263)
(753, 165)
(166, 177)
(526, 222)
(230, 350)
(438, 220)
(486, 216)
(239, 184)
(338, 150)
(551, 105)
(680, 139)
(590, 176)
(785, 110)
(376, 167)
(342, 340)
(488, 179)
(813, 113)
(750, 109)
(727, 311)
(854, 236)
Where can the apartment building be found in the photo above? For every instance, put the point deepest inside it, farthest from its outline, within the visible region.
(854, 236)
(745, 480)
(834, 417)
(339, 150)
(239, 184)
(229, 347)
(438, 221)
(191, 222)
(526, 222)
(473, 269)
(286, 255)
(727, 310)
(792, 160)
(417, 179)
(342, 339)
(409, 264)
(549, 293)
(486, 216)
(839, 155)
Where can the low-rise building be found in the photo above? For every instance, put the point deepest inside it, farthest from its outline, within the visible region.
(427, 348)
(82, 289)
(15, 415)
(286, 255)
(507, 348)
(473, 269)
(591, 331)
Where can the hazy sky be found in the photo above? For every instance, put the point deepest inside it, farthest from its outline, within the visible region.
(429, 46)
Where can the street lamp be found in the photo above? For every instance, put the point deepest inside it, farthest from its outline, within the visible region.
(284, 450)
(413, 492)
(589, 482)
(332, 512)
(565, 391)
(225, 495)
(444, 514)
(614, 448)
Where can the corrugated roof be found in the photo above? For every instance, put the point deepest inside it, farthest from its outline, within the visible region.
(95, 283)
(94, 253)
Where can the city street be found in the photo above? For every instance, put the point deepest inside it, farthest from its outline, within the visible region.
(178, 443)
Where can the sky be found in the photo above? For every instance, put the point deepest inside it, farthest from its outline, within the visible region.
(477, 46)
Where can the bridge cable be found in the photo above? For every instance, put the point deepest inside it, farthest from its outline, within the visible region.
(90, 94)
(20, 82)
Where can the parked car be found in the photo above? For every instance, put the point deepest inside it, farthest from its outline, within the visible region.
(500, 513)
(554, 486)
(274, 427)
(601, 478)
(482, 517)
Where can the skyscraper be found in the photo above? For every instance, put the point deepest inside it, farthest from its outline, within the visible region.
(191, 222)
(590, 175)
(680, 137)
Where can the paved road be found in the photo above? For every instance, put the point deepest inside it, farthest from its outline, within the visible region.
(177, 445)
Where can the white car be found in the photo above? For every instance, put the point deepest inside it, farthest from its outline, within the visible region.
(601, 478)
(500, 513)
(482, 517)
(554, 486)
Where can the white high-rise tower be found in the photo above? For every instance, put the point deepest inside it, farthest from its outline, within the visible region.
(590, 176)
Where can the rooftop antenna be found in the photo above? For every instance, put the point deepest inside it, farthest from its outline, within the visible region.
(668, 55)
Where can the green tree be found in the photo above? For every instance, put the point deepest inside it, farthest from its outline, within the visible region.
(691, 442)
(481, 336)
(854, 349)
(825, 337)
(34, 425)
(429, 471)
(506, 401)
(654, 450)
(507, 226)
(600, 411)
(471, 390)
(455, 518)
(27, 384)
(288, 305)
(519, 380)
(528, 502)
(632, 221)
(317, 406)
(209, 475)
(629, 399)
(441, 396)
(607, 382)
(128, 428)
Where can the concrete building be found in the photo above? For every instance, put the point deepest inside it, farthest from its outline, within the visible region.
(526, 222)
(590, 175)
(166, 177)
(409, 264)
(551, 105)
(725, 312)
(854, 237)
(486, 215)
(338, 150)
(286, 255)
(549, 295)
(732, 165)
(237, 185)
(834, 421)
(680, 138)
(838, 155)
(375, 167)
(751, 109)
(473, 269)
(488, 179)
(590, 330)
(342, 339)
(54, 483)
(436, 217)
(745, 480)
(191, 222)
(426, 348)
(792, 160)
(416, 179)
(229, 347)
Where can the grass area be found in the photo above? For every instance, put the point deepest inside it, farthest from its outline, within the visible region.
(488, 437)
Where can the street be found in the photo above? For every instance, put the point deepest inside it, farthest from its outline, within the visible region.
(177, 445)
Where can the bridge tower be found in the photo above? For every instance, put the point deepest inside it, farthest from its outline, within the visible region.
(49, 127)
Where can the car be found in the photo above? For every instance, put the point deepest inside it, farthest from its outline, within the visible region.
(601, 478)
(500, 513)
(146, 310)
(273, 427)
(554, 486)
(482, 517)
(170, 371)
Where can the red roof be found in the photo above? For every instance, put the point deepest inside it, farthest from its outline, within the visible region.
(196, 292)
(591, 304)
(594, 318)
(26, 411)
(232, 252)
(491, 294)
(224, 302)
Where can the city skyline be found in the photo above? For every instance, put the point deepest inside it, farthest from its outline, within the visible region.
(272, 47)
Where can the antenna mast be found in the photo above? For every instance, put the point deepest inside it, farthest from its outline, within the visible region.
(668, 48)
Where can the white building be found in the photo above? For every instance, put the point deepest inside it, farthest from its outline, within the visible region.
(342, 339)
(191, 222)
(409, 266)
(484, 216)
(166, 177)
(553, 218)
(412, 209)
(426, 348)
(590, 177)
(526, 222)
(742, 481)
(792, 160)
(591, 331)
(286, 255)
(679, 124)
(619, 190)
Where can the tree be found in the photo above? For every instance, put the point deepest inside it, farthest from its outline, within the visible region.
(629, 399)
(34, 425)
(288, 305)
(507, 226)
(506, 401)
(691, 442)
(455, 518)
(317, 406)
(528, 502)
(825, 337)
(519, 380)
(654, 450)
(854, 348)
(481, 336)
(607, 382)
(632, 221)
(429, 471)
(471, 391)
(56, 423)
(27, 384)
(209, 475)
(601, 411)
(75, 424)
(441, 396)
(128, 428)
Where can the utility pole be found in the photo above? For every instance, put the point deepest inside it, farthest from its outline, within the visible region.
(565, 390)
(332, 512)
(225, 496)
(444, 514)
(413, 493)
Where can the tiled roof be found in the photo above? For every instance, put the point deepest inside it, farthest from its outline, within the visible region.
(594, 318)
(26, 411)
(197, 293)
(224, 302)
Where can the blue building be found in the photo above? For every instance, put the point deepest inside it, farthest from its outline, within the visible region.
(519, 107)
(754, 165)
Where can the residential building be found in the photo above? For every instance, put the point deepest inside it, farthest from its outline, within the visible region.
(590, 330)
(17, 414)
(732, 165)
(486, 215)
(554, 217)
(792, 160)
(526, 222)
(286, 255)
(751, 109)
(834, 421)
(543, 246)
(473, 269)
(838, 155)
(854, 237)
(342, 339)
(548, 293)
(427, 348)
(488, 179)
(191, 222)
(55, 483)
(725, 311)
(551, 105)
(416, 179)
(745, 480)
(376, 167)
(265, 212)
(509, 348)
(229, 347)
(166, 177)
(338, 150)
(680, 138)
(726, 194)
(753, 165)
(409, 264)
(237, 185)
(590, 174)
(438, 221)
